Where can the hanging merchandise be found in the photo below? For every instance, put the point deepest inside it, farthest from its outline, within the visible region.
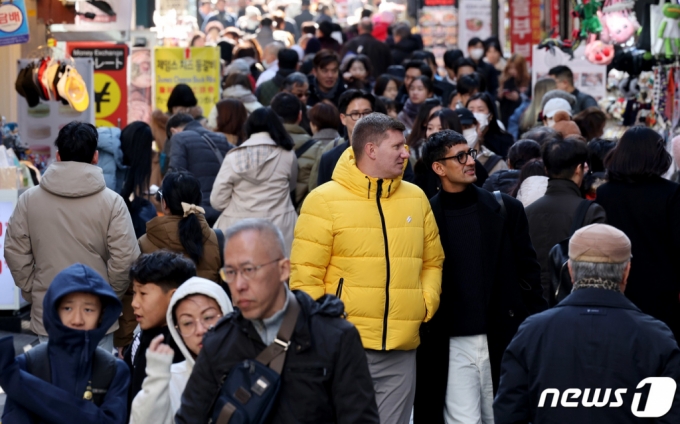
(598, 52)
(668, 33)
(619, 23)
(586, 11)
(50, 79)
(13, 22)
(59, 93)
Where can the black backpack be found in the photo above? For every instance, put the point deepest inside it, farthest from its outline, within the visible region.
(104, 368)
(560, 280)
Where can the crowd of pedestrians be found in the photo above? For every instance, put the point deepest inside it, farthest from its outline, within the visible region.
(349, 236)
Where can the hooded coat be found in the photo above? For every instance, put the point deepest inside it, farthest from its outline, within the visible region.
(70, 351)
(162, 232)
(255, 181)
(70, 217)
(325, 377)
(375, 244)
(161, 393)
(111, 158)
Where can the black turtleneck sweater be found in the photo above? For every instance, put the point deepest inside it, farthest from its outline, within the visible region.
(462, 289)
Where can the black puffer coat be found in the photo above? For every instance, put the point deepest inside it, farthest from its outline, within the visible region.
(189, 151)
(325, 378)
(503, 181)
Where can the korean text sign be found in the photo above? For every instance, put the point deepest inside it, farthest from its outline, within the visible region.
(198, 67)
(13, 23)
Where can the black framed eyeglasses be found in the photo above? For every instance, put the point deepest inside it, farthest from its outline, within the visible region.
(462, 157)
(358, 115)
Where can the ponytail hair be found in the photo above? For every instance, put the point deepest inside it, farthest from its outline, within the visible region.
(183, 187)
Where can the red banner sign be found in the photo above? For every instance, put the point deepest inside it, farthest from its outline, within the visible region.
(525, 26)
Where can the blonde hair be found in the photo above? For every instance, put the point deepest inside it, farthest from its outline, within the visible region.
(518, 62)
(530, 116)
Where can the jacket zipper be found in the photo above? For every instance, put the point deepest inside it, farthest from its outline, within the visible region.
(387, 267)
(338, 292)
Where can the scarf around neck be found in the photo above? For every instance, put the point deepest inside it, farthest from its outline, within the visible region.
(596, 283)
(411, 109)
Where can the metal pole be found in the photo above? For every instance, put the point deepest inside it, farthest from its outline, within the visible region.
(494, 18)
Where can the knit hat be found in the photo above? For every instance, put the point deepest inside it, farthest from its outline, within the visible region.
(564, 125)
(599, 243)
(182, 95)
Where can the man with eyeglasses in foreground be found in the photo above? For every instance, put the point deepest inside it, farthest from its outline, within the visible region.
(353, 105)
(370, 239)
(325, 377)
(490, 284)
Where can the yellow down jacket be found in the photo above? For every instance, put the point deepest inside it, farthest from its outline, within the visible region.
(374, 244)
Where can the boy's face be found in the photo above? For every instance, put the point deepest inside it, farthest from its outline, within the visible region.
(150, 304)
(80, 311)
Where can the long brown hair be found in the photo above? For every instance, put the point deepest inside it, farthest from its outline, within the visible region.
(231, 115)
(518, 62)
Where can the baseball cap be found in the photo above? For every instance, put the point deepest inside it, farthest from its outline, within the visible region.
(600, 243)
(465, 116)
(555, 105)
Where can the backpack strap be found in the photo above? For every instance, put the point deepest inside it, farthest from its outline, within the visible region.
(218, 155)
(38, 362)
(104, 369)
(301, 151)
(499, 198)
(492, 162)
(274, 355)
(580, 216)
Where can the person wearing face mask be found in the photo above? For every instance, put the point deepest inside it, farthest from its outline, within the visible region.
(471, 132)
(490, 284)
(491, 132)
(476, 51)
(196, 306)
(419, 90)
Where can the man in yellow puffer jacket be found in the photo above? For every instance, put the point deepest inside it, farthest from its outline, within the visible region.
(371, 239)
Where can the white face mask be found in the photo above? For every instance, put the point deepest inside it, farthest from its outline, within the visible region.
(476, 54)
(470, 135)
(483, 119)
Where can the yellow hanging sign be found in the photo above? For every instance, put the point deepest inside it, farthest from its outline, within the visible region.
(198, 67)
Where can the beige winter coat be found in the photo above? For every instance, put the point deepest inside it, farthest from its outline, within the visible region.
(71, 217)
(255, 181)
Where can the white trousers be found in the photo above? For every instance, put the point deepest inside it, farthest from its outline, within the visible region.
(469, 390)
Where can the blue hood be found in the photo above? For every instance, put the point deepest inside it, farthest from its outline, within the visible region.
(73, 349)
(109, 140)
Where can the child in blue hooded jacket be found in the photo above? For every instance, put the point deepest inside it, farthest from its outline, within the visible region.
(79, 307)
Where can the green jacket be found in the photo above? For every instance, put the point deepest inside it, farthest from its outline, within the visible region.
(305, 162)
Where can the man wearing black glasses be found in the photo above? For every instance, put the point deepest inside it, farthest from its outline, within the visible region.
(490, 284)
(353, 105)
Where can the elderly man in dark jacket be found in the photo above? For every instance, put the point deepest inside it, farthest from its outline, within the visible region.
(366, 44)
(490, 284)
(325, 378)
(583, 361)
(551, 216)
(199, 151)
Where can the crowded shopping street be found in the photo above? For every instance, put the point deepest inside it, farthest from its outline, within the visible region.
(357, 211)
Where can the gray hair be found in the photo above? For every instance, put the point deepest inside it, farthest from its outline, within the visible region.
(274, 47)
(604, 271)
(558, 94)
(402, 29)
(373, 129)
(296, 78)
(262, 226)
